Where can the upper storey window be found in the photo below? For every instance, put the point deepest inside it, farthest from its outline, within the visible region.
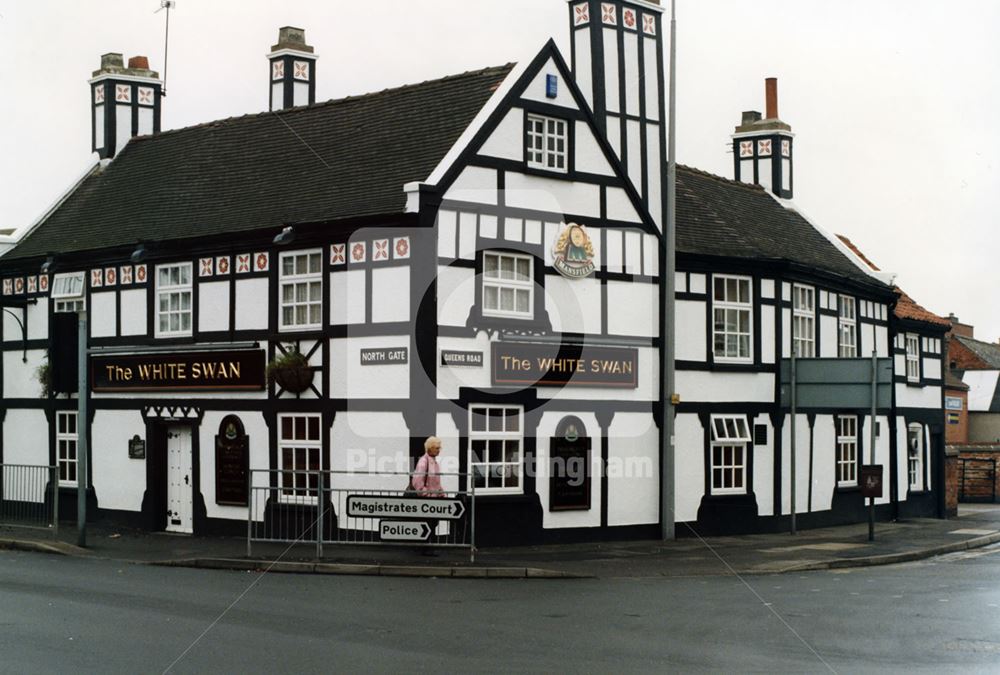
(546, 143)
(804, 321)
(173, 300)
(301, 290)
(912, 358)
(847, 341)
(507, 285)
(68, 292)
(732, 311)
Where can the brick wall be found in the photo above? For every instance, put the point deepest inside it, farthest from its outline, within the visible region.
(950, 482)
(979, 473)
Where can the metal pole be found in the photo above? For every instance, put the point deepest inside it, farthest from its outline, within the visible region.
(82, 425)
(871, 452)
(250, 499)
(319, 515)
(668, 332)
(55, 496)
(795, 410)
(472, 549)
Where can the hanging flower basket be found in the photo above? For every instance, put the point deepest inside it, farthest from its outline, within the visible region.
(291, 372)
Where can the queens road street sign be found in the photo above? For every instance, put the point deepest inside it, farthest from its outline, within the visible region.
(404, 530)
(371, 506)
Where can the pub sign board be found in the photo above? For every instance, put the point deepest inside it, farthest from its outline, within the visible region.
(238, 370)
(530, 363)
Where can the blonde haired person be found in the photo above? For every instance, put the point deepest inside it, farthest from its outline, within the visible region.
(427, 474)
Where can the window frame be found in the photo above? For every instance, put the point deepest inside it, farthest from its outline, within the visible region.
(912, 357)
(737, 438)
(727, 305)
(71, 440)
(501, 284)
(847, 451)
(802, 316)
(179, 289)
(504, 436)
(303, 490)
(847, 326)
(72, 300)
(546, 153)
(915, 458)
(294, 280)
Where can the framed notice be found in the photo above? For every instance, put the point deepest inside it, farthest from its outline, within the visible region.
(232, 463)
(569, 467)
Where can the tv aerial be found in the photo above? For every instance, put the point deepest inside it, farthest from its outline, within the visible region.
(165, 5)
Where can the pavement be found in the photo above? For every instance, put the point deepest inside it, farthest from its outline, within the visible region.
(688, 555)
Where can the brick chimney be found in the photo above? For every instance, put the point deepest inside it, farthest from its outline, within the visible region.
(125, 102)
(293, 70)
(762, 146)
(959, 328)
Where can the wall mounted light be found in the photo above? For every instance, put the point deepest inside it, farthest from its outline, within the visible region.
(139, 254)
(286, 236)
(48, 265)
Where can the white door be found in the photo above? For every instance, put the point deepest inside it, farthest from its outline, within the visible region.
(180, 495)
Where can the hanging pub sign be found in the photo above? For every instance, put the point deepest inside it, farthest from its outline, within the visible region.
(187, 371)
(530, 363)
(573, 253)
(232, 462)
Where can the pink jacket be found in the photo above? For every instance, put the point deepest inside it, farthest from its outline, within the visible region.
(426, 477)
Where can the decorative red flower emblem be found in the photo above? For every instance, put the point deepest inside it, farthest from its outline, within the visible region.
(402, 247)
(223, 266)
(261, 261)
(582, 14)
(358, 252)
(243, 263)
(140, 273)
(630, 18)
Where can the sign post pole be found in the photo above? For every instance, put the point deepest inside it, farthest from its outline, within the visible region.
(82, 425)
(871, 500)
(791, 479)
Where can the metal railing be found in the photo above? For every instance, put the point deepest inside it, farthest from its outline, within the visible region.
(358, 508)
(29, 496)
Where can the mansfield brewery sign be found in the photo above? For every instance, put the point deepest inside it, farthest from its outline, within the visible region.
(222, 370)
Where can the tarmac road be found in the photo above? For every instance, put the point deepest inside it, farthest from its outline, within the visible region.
(61, 614)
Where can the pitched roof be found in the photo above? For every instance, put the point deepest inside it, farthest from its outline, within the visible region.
(987, 351)
(718, 216)
(344, 158)
(906, 307)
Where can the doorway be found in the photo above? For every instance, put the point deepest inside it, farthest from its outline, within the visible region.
(180, 492)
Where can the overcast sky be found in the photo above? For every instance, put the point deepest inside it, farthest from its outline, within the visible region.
(895, 103)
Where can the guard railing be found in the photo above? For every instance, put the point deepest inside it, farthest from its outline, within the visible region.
(358, 508)
(29, 496)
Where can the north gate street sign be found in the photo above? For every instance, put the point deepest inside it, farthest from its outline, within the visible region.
(414, 508)
(404, 530)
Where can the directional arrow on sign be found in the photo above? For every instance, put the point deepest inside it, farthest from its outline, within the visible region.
(429, 508)
(404, 530)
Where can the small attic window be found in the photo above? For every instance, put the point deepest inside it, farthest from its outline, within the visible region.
(546, 143)
(67, 292)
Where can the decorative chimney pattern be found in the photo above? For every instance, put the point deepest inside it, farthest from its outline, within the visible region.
(762, 147)
(618, 63)
(125, 102)
(292, 70)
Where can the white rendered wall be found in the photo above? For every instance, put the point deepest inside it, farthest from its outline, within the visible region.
(256, 430)
(552, 195)
(350, 379)
(507, 140)
(119, 482)
(300, 93)
(824, 462)
(573, 305)
(536, 89)
(251, 304)
(25, 438)
(123, 126)
(633, 470)
(589, 156)
(620, 206)
(347, 297)
(447, 222)
(102, 314)
(828, 341)
(474, 184)
(633, 309)
(19, 377)
(909, 396)
(145, 121)
(456, 295)
(801, 464)
(213, 306)
(38, 320)
(133, 305)
(391, 294)
(561, 519)
(767, 334)
(689, 331)
(689, 460)
(583, 74)
(763, 468)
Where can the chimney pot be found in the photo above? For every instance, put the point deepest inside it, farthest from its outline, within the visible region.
(139, 62)
(771, 92)
(112, 60)
(750, 116)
